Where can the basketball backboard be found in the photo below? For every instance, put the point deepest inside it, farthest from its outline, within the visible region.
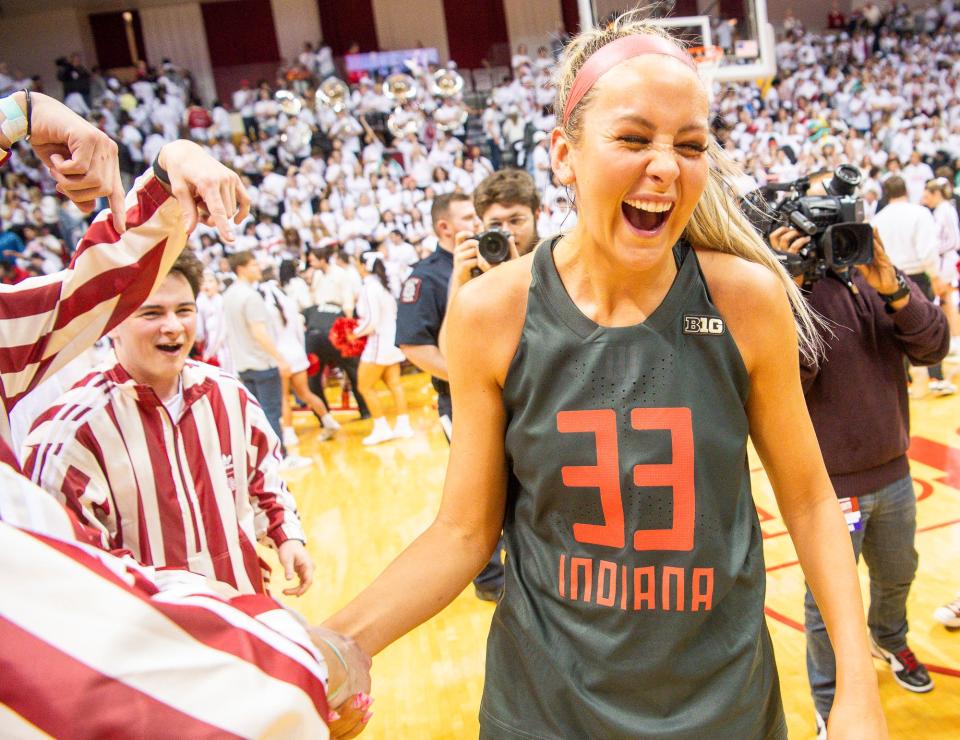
(742, 30)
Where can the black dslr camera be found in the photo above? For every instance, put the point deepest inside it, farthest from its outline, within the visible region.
(494, 245)
(834, 222)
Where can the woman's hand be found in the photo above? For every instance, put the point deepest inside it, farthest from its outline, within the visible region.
(205, 189)
(348, 670)
(81, 158)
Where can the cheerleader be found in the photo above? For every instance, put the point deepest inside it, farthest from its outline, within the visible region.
(938, 197)
(377, 312)
(289, 333)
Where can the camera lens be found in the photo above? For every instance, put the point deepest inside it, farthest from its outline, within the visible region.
(845, 180)
(494, 246)
(844, 247)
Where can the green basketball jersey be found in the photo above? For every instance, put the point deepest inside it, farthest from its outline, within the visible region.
(633, 604)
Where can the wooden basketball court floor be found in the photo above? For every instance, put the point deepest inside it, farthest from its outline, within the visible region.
(361, 506)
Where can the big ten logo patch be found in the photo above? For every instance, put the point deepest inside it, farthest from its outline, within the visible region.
(705, 325)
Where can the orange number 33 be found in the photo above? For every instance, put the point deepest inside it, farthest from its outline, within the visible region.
(605, 476)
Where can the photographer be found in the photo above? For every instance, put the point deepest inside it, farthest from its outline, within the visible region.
(878, 318)
(509, 200)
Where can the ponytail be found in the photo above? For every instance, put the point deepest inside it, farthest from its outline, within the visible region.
(381, 272)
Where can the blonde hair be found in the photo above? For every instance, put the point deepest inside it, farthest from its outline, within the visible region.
(717, 222)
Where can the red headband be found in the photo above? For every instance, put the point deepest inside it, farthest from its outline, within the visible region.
(609, 56)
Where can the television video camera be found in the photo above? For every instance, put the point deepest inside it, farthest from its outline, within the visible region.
(834, 222)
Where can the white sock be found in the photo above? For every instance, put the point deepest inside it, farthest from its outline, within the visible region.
(380, 424)
(403, 420)
(327, 420)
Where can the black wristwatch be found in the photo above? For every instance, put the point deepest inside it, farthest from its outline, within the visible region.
(902, 291)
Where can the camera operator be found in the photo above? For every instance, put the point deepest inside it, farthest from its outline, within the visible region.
(857, 399)
(509, 200)
(420, 313)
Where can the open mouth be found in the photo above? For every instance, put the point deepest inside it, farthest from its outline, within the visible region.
(170, 349)
(646, 218)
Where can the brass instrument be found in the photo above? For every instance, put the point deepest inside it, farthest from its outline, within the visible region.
(334, 93)
(451, 115)
(289, 103)
(401, 88)
(446, 83)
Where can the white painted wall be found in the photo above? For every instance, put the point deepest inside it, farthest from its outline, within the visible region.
(531, 22)
(296, 21)
(407, 24)
(176, 32)
(31, 42)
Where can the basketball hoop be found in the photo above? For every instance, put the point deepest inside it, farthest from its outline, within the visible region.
(708, 60)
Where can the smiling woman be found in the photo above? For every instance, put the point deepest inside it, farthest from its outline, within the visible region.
(604, 388)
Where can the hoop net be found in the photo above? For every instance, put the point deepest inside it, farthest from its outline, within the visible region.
(708, 60)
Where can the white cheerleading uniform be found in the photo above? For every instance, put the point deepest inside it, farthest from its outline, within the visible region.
(377, 308)
(948, 240)
(287, 325)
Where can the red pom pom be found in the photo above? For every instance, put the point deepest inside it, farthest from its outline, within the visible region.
(314, 364)
(340, 334)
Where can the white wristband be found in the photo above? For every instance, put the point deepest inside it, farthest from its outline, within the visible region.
(14, 126)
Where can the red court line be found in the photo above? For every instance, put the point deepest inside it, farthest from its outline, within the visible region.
(772, 534)
(938, 526)
(783, 618)
(945, 671)
(778, 566)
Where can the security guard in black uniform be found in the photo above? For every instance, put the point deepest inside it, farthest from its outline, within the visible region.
(422, 307)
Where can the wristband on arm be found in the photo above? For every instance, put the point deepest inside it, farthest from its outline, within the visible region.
(15, 125)
(159, 172)
(346, 678)
(902, 291)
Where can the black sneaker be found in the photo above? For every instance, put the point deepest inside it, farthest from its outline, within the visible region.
(907, 670)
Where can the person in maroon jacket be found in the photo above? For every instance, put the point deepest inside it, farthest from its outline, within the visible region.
(857, 398)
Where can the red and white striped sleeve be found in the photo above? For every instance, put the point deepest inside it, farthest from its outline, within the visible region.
(277, 519)
(47, 321)
(211, 666)
(56, 459)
